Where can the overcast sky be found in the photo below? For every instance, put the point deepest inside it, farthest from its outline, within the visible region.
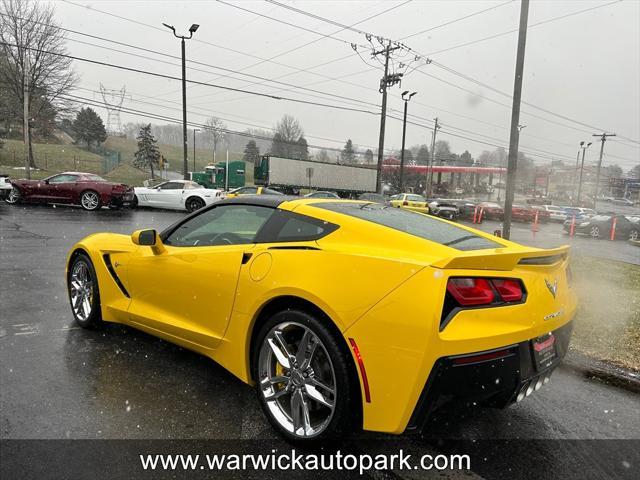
(585, 67)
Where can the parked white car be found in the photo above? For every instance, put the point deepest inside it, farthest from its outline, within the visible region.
(556, 214)
(5, 187)
(176, 195)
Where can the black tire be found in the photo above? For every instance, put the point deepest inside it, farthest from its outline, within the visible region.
(90, 200)
(134, 202)
(594, 231)
(115, 206)
(346, 416)
(14, 196)
(634, 234)
(194, 203)
(94, 318)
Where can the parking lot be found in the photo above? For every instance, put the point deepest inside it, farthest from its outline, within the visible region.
(59, 381)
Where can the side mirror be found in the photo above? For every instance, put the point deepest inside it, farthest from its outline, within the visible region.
(144, 237)
(46, 182)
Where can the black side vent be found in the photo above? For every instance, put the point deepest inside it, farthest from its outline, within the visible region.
(294, 247)
(114, 275)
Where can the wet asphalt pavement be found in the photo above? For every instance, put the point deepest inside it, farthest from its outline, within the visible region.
(61, 382)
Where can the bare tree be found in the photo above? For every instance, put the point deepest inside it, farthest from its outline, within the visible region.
(31, 45)
(218, 131)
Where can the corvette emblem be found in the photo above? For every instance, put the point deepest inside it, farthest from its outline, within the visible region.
(553, 287)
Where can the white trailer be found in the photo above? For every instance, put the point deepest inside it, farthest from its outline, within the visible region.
(290, 174)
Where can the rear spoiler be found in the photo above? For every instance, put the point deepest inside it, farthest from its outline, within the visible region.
(498, 260)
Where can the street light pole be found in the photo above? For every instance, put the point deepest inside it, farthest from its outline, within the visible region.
(404, 134)
(573, 181)
(584, 149)
(192, 30)
(194, 147)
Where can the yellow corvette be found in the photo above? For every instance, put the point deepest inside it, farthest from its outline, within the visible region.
(341, 313)
(249, 190)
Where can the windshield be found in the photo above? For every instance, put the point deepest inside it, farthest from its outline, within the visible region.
(416, 224)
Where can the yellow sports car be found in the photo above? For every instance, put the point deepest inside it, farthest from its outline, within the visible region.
(342, 313)
(410, 201)
(249, 190)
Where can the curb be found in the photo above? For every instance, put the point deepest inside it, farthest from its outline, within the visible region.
(615, 375)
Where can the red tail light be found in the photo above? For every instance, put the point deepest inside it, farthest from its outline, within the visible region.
(405, 203)
(471, 291)
(509, 289)
(484, 291)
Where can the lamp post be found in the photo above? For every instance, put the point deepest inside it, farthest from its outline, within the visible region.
(584, 149)
(192, 30)
(404, 134)
(194, 147)
(575, 175)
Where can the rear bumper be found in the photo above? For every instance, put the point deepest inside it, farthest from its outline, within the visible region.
(122, 199)
(497, 378)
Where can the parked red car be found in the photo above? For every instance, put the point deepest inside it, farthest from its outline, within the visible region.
(85, 189)
(491, 211)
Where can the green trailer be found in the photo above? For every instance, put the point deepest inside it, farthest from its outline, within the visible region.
(214, 176)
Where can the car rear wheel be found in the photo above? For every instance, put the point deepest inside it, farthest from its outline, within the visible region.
(14, 196)
(303, 378)
(90, 200)
(634, 234)
(193, 204)
(595, 231)
(84, 295)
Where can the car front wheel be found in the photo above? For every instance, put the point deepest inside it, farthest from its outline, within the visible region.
(595, 231)
(14, 196)
(84, 295)
(634, 234)
(304, 378)
(90, 200)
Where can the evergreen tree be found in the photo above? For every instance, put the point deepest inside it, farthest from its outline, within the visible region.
(347, 155)
(422, 157)
(88, 127)
(148, 154)
(368, 156)
(302, 149)
(251, 152)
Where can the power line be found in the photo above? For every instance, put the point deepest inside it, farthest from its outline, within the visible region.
(309, 43)
(142, 113)
(490, 37)
(430, 29)
(195, 82)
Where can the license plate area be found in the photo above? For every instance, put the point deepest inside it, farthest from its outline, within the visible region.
(544, 351)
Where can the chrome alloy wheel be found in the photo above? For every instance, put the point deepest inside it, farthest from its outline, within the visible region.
(81, 290)
(90, 200)
(14, 196)
(297, 379)
(595, 231)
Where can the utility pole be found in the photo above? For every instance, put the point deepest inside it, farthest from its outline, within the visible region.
(436, 127)
(584, 149)
(194, 147)
(192, 30)
(386, 81)
(25, 95)
(404, 134)
(603, 138)
(514, 137)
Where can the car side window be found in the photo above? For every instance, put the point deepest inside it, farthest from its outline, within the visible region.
(63, 178)
(223, 225)
(285, 226)
(171, 186)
